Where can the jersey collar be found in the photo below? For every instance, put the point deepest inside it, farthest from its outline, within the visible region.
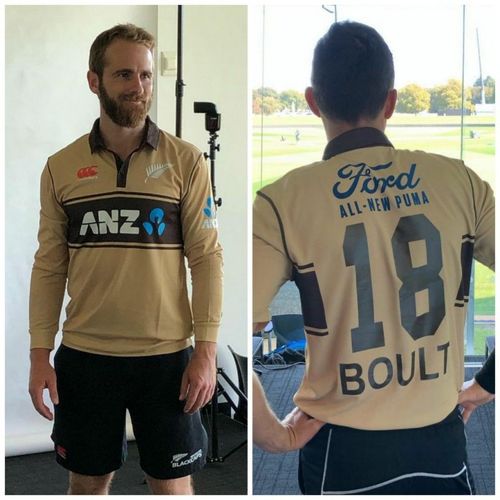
(364, 137)
(151, 136)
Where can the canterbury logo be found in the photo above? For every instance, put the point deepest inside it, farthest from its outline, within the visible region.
(156, 170)
(87, 172)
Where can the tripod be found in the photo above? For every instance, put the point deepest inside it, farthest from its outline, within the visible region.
(240, 409)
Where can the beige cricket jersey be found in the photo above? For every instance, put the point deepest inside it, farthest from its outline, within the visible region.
(380, 243)
(115, 233)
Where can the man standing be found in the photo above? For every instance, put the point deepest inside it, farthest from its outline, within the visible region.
(120, 209)
(380, 243)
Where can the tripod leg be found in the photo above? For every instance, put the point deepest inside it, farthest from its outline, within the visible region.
(215, 433)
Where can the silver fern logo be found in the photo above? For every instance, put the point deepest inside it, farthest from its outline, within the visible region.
(155, 170)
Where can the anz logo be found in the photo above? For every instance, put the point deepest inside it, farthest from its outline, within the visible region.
(209, 222)
(122, 221)
(155, 221)
(143, 223)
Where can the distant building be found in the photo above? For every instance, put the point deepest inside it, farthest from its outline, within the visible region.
(485, 109)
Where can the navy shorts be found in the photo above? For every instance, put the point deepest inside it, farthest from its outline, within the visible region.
(94, 393)
(423, 461)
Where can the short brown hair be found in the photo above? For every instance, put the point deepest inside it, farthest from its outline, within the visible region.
(128, 32)
(352, 73)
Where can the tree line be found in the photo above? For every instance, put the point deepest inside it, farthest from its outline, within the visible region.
(413, 98)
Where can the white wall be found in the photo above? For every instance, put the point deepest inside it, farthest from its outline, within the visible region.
(215, 70)
(48, 105)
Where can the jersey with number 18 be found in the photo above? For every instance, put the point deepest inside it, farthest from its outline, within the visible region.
(380, 244)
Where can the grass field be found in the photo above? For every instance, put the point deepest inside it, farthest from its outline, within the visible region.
(397, 119)
(480, 334)
(276, 151)
(484, 291)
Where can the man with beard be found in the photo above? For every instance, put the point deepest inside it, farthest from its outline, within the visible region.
(120, 209)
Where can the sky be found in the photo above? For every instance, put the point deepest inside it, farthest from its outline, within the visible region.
(426, 41)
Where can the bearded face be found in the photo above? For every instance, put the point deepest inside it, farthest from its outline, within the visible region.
(127, 109)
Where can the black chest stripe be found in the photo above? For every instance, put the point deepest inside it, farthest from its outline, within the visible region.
(124, 220)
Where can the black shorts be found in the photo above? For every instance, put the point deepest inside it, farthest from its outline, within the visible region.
(94, 393)
(423, 461)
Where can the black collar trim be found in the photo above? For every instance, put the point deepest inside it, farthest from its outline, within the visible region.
(364, 137)
(151, 136)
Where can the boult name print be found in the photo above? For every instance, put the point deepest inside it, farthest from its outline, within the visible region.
(360, 176)
(356, 378)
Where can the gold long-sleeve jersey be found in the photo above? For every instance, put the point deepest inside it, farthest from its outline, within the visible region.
(115, 234)
(380, 244)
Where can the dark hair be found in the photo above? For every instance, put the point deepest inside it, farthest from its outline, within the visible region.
(127, 32)
(352, 72)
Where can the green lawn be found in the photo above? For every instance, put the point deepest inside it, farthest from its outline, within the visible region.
(484, 291)
(480, 334)
(438, 134)
(281, 152)
(397, 119)
(484, 305)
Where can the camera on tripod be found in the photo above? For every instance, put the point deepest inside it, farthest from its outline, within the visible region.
(212, 118)
(212, 125)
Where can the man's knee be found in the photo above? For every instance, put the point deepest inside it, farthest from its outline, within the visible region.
(89, 485)
(179, 486)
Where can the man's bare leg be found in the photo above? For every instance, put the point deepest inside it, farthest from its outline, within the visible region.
(179, 486)
(89, 485)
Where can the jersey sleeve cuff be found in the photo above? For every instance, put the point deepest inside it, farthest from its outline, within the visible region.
(42, 340)
(206, 332)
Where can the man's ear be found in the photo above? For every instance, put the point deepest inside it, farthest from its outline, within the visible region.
(93, 81)
(311, 101)
(390, 103)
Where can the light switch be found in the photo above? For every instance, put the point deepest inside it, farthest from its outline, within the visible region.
(168, 63)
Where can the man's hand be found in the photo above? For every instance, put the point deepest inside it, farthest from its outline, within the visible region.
(292, 433)
(257, 327)
(301, 428)
(42, 376)
(471, 397)
(198, 380)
